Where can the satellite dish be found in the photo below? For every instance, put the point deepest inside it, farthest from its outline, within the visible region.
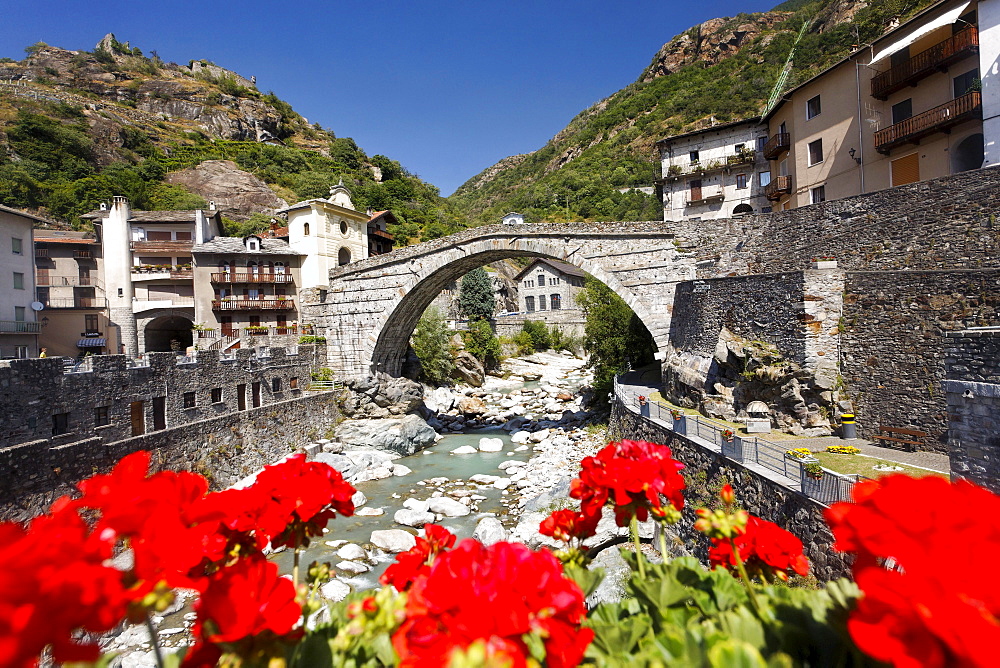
(37, 306)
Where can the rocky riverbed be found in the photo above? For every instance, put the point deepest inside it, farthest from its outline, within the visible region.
(489, 462)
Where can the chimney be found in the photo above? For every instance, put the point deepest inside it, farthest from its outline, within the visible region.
(104, 206)
(211, 205)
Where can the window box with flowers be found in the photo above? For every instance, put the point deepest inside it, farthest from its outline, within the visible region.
(814, 471)
(728, 435)
(643, 406)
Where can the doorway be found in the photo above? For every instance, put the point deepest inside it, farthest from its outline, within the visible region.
(138, 413)
(159, 413)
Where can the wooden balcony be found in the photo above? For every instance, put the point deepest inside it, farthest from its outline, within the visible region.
(163, 246)
(41, 253)
(939, 119)
(777, 145)
(250, 277)
(937, 58)
(381, 234)
(253, 305)
(778, 187)
(86, 254)
(705, 195)
(741, 158)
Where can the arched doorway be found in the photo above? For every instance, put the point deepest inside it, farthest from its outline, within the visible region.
(967, 154)
(742, 208)
(169, 333)
(344, 256)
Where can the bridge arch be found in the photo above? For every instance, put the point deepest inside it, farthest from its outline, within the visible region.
(372, 306)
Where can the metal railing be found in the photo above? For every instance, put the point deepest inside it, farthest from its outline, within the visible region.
(830, 488)
(938, 119)
(249, 277)
(253, 304)
(79, 302)
(777, 144)
(19, 327)
(44, 279)
(935, 59)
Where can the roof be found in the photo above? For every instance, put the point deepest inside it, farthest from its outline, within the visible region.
(849, 57)
(388, 215)
(720, 126)
(318, 201)
(159, 216)
(236, 246)
(562, 267)
(25, 214)
(278, 231)
(81, 239)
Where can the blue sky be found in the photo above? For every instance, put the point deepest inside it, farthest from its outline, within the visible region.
(447, 88)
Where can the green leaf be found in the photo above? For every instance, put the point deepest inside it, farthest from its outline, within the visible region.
(735, 654)
(588, 580)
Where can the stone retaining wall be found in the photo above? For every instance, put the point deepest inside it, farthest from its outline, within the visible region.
(225, 449)
(767, 499)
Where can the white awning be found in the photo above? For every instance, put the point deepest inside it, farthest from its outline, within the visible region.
(945, 19)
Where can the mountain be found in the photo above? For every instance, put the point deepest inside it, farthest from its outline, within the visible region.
(77, 127)
(721, 70)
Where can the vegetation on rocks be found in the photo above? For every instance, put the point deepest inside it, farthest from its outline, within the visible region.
(430, 345)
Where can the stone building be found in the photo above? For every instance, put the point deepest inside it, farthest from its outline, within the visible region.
(549, 285)
(69, 267)
(328, 233)
(716, 172)
(245, 287)
(908, 107)
(18, 325)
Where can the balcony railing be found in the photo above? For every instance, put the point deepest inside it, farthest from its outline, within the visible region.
(162, 246)
(779, 186)
(79, 302)
(83, 254)
(935, 59)
(253, 304)
(938, 119)
(777, 145)
(705, 194)
(19, 327)
(250, 277)
(41, 253)
(43, 279)
(270, 330)
(381, 233)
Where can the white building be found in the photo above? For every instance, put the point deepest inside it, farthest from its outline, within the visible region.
(513, 218)
(18, 326)
(329, 232)
(717, 172)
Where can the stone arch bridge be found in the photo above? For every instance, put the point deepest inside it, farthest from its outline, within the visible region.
(371, 307)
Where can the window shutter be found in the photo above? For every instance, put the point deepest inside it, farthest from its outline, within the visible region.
(906, 169)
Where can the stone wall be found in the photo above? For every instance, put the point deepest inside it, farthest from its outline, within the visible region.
(760, 496)
(224, 448)
(893, 343)
(570, 321)
(972, 388)
(108, 400)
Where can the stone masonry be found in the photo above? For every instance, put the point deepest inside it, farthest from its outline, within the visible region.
(972, 363)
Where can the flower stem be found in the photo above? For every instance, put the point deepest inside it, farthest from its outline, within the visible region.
(295, 568)
(156, 645)
(638, 547)
(663, 542)
(747, 584)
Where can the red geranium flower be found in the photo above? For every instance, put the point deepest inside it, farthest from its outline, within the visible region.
(632, 475)
(489, 598)
(417, 560)
(766, 550)
(568, 524)
(919, 546)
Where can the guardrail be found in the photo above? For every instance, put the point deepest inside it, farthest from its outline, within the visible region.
(830, 488)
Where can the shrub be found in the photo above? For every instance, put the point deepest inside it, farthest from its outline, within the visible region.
(482, 342)
(430, 344)
(312, 339)
(475, 298)
(538, 333)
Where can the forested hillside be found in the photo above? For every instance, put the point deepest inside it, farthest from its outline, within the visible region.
(723, 69)
(77, 127)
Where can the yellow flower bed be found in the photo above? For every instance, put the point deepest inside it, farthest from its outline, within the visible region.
(799, 453)
(843, 449)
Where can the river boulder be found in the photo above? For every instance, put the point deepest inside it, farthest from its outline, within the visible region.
(469, 370)
(393, 540)
(448, 507)
(402, 436)
(489, 531)
(412, 518)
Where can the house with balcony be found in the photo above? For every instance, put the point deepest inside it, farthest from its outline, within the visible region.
(908, 107)
(246, 288)
(716, 172)
(18, 324)
(380, 240)
(69, 286)
(148, 272)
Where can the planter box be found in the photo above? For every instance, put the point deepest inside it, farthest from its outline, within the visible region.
(680, 426)
(644, 409)
(755, 426)
(823, 264)
(733, 449)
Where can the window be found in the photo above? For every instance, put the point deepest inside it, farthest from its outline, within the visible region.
(190, 400)
(182, 235)
(293, 383)
(541, 302)
(18, 281)
(741, 181)
(812, 108)
(90, 322)
(555, 301)
(816, 152)
(905, 169)
(21, 352)
(968, 82)
(818, 194)
(60, 423)
(101, 416)
(765, 178)
(553, 280)
(694, 156)
(900, 57)
(529, 304)
(16, 246)
(541, 280)
(276, 385)
(739, 148)
(19, 313)
(783, 167)
(902, 110)
(761, 143)
(343, 227)
(216, 395)
(305, 229)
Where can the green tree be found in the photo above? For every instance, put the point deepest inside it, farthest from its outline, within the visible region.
(482, 342)
(614, 336)
(538, 333)
(475, 298)
(430, 343)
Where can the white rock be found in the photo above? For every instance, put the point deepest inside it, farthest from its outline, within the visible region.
(415, 504)
(521, 448)
(520, 437)
(489, 531)
(335, 590)
(501, 483)
(539, 436)
(353, 567)
(483, 479)
(169, 632)
(337, 544)
(352, 552)
(400, 470)
(490, 445)
(395, 540)
(369, 512)
(509, 464)
(448, 507)
(359, 499)
(464, 450)
(412, 518)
